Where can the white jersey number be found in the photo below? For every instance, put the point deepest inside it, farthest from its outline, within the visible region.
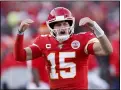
(62, 65)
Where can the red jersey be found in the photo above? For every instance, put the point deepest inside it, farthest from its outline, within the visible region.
(67, 62)
(39, 64)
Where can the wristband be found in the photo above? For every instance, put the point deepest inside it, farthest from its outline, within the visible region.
(20, 33)
(97, 30)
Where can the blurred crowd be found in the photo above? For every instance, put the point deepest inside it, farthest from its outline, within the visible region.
(103, 71)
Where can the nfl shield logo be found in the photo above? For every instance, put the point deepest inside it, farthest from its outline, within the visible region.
(60, 46)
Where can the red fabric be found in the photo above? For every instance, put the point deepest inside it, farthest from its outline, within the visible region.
(10, 61)
(59, 62)
(92, 63)
(90, 49)
(20, 53)
(115, 58)
(39, 64)
(36, 52)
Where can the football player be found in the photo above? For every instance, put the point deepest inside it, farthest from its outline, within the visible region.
(66, 53)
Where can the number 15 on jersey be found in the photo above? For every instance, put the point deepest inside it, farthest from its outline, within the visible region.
(62, 65)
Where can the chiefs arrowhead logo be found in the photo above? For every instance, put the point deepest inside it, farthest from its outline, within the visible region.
(75, 44)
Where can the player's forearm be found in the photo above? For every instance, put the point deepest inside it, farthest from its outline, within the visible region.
(19, 52)
(105, 43)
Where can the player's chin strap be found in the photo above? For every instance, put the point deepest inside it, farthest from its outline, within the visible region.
(97, 30)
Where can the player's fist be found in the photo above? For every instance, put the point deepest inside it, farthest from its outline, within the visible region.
(25, 24)
(86, 20)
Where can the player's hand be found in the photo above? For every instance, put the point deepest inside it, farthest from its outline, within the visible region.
(25, 24)
(86, 21)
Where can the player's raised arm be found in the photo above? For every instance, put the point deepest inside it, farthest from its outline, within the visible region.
(28, 53)
(103, 47)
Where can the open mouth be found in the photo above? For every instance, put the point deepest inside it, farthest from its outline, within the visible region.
(62, 32)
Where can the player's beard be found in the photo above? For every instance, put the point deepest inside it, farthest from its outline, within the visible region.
(62, 38)
(62, 34)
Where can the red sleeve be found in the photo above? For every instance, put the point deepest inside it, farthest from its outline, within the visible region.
(90, 40)
(19, 52)
(90, 49)
(36, 49)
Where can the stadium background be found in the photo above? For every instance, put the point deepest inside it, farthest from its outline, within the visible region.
(105, 13)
